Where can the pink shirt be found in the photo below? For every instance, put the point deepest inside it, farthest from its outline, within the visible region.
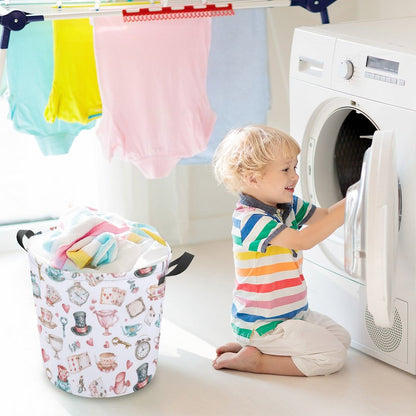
(152, 79)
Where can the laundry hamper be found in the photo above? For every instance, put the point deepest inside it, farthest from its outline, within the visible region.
(100, 332)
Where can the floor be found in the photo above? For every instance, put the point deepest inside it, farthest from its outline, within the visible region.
(195, 322)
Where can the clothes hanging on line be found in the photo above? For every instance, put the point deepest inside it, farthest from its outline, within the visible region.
(74, 96)
(30, 75)
(238, 79)
(155, 106)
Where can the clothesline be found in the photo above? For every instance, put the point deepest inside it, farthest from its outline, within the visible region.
(14, 15)
(76, 9)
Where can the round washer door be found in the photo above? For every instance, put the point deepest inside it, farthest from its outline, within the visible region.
(381, 225)
(372, 226)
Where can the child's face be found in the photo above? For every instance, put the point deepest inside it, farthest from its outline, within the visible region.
(277, 184)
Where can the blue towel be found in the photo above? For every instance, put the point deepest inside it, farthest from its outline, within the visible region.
(238, 79)
(30, 75)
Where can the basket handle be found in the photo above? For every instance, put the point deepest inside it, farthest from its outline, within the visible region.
(21, 234)
(181, 264)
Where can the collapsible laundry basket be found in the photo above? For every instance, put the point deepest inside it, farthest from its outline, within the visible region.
(100, 332)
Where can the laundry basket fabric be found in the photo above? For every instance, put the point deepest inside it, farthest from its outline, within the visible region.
(99, 332)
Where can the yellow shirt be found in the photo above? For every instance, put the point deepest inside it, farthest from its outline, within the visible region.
(75, 96)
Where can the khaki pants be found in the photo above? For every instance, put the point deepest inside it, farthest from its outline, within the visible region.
(317, 344)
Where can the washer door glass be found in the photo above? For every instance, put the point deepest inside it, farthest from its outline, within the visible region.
(335, 157)
(353, 139)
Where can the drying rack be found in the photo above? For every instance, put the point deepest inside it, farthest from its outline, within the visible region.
(15, 16)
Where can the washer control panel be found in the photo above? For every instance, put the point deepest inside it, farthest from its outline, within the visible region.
(384, 75)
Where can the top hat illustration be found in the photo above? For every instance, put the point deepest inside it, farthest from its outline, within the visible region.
(142, 376)
(81, 327)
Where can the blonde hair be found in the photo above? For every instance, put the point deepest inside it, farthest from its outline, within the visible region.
(249, 150)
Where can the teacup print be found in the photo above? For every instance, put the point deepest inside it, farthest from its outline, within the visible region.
(46, 318)
(107, 362)
(54, 274)
(131, 330)
(156, 291)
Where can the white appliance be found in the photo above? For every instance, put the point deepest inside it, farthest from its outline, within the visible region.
(353, 88)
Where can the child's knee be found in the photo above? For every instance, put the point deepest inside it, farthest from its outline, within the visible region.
(322, 364)
(345, 339)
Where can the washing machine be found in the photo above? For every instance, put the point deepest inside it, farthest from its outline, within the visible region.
(353, 111)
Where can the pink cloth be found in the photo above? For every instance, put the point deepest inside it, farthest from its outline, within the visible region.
(152, 78)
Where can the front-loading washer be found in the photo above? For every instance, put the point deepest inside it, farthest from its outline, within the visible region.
(353, 111)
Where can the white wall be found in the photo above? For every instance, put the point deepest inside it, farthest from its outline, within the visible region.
(189, 206)
(369, 9)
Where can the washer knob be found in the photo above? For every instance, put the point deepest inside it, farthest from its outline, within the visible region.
(346, 69)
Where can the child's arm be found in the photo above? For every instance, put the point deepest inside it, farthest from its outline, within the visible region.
(321, 225)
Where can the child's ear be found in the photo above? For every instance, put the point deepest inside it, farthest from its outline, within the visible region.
(251, 178)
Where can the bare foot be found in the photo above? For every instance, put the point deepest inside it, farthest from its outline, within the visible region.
(235, 357)
(230, 347)
(241, 359)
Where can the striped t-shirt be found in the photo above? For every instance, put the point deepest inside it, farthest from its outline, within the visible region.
(269, 284)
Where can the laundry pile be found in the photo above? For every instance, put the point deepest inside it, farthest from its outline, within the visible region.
(87, 238)
(146, 82)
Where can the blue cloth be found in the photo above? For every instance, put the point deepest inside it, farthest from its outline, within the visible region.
(30, 75)
(238, 78)
(3, 84)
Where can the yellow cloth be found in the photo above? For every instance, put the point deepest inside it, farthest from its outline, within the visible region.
(75, 96)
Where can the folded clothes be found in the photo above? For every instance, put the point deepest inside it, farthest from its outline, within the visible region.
(94, 251)
(86, 237)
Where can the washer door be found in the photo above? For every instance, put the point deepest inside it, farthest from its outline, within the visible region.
(372, 226)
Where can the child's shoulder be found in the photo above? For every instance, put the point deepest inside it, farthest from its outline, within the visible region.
(242, 208)
(247, 213)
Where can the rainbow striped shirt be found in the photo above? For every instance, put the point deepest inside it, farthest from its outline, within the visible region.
(269, 286)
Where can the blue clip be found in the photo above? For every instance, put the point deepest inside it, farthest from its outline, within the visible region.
(315, 6)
